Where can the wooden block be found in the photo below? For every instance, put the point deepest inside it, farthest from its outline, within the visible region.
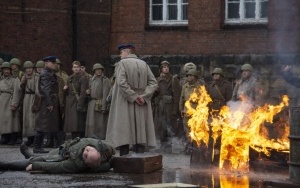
(138, 163)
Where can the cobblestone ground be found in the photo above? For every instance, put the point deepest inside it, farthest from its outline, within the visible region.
(176, 168)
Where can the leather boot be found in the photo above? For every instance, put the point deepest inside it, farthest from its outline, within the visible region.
(29, 141)
(140, 148)
(124, 149)
(25, 151)
(50, 141)
(13, 139)
(4, 139)
(14, 165)
(38, 140)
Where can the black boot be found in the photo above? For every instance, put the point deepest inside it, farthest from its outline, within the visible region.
(124, 149)
(4, 139)
(15, 165)
(140, 148)
(50, 141)
(25, 151)
(38, 140)
(13, 139)
(29, 141)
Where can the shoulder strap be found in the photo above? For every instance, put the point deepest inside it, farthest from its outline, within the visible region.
(218, 89)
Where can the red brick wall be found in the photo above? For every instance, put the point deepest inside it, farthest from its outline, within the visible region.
(31, 30)
(205, 33)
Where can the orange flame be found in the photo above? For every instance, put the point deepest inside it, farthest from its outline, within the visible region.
(240, 128)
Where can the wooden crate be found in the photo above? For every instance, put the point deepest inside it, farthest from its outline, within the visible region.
(138, 163)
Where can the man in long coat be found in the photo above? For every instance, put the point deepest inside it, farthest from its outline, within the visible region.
(130, 119)
(97, 113)
(9, 102)
(28, 88)
(48, 119)
(75, 111)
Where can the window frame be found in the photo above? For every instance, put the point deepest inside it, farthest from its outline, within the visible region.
(242, 9)
(164, 21)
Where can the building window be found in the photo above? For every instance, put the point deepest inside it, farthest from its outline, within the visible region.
(246, 11)
(168, 12)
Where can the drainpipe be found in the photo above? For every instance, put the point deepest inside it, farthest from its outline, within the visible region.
(294, 162)
(74, 29)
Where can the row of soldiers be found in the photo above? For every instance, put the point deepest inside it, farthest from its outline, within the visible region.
(75, 104)
(169, 100)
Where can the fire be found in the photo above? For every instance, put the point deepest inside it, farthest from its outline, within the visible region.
(240, 126)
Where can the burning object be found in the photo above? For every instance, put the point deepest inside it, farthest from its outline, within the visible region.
(239, 125)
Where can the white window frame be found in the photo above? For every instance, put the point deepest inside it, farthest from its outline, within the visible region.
(164, 21)
(242, 19)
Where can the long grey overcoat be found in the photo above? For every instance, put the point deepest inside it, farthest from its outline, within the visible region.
(29, 87)
(10, 96)
(96, 122)
(128, 122)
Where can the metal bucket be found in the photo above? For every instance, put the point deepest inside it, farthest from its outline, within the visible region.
(294, 137)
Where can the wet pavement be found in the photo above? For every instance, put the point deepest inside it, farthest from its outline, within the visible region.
(176, 168)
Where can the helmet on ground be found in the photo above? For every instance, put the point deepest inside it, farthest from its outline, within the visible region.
(189, 66)
(5, 65)
(97, 66)
(40, 64)
(28, 64)
(15, 61)
(247, 67)
(218, 71)
(192, 72)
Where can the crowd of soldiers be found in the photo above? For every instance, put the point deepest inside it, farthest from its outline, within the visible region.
(79, 104)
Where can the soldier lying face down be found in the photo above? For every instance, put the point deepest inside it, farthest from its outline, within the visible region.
(79, 155)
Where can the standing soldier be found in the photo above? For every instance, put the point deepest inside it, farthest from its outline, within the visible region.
(192, 83)
(62, 79)
(17, 73)
(1, 61)
(186, 68)
(97, 113)
(39, 66)
(28, 87)
(166, 100)
(48, 118)
(83, 70)
(220, 91)
(130, 120)
(9, 102)
(75, 102)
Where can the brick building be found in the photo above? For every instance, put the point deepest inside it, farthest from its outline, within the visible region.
(70, 29)
(210, 33)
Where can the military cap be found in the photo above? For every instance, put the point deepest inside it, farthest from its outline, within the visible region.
(15, 61)
(98, 66)
(1, 61)
(76, 63)
(50, 58)
(5, 65)
(28, 64)
(40, 64)
(218, 71)
(189, 66)
(165, 63)
(126, 46)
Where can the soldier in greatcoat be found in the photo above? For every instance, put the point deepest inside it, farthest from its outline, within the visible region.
(75, 111)
(130, 119)
(76, 156)
(48, 119)
(166, 100)
(192, 83)
(28, 88)
(97, 113)
(9, 103)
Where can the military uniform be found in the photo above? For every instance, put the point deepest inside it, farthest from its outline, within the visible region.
(75, 112)
(166, 100)
(246, 88)
(187, 90)
(220, 91)
(9, 96)
(67, 158)
(97, 113)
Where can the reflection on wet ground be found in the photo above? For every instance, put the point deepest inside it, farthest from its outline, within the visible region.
(176, 168)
